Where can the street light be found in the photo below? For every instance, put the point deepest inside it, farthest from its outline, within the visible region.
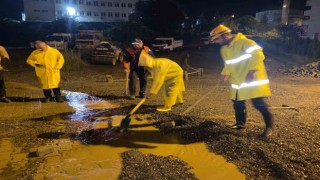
(71, 11)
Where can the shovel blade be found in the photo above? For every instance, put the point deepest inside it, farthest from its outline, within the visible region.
(125, 123)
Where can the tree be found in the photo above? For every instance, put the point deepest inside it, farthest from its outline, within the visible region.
(162, 16)
(123, 34)
(247, 24)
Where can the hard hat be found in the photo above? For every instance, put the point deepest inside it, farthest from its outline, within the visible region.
(218, 31)
(145, 59)
(136, 41)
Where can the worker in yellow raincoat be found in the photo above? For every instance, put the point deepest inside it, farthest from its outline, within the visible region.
(245, 70)
(167, 75)
(47, 62)
(4, 56)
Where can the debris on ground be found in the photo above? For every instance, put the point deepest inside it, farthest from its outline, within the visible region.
(140, 166)
(307, 70)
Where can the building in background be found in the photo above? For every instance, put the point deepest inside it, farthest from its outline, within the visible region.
(312, 19)
(39, 10)
(80, 10)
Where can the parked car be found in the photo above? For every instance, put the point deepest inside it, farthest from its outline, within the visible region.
(60, 41)
(88, 39)
(106, 53)
(166, 44)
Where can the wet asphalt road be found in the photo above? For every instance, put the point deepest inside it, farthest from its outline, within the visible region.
(293, 152)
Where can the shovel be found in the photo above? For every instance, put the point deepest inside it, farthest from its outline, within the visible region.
(126, 85)
(285, 107)
(126, 121)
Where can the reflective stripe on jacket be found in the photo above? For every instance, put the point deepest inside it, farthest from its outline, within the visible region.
(241, 56)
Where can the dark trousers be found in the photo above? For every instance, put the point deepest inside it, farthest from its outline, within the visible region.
(2, 85)
(142, 75)
(259, 104)
(48, 92)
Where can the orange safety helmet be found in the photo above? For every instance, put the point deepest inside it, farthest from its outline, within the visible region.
(218, 31)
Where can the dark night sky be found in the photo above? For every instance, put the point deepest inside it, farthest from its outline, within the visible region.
(13, 8)
(237, 7)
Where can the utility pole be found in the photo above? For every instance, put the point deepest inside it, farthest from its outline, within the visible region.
(285, 12)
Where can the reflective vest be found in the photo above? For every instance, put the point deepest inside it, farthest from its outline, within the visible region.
(134, 57)
(241, 56)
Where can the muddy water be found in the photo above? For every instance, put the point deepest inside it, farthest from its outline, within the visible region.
(92, 150)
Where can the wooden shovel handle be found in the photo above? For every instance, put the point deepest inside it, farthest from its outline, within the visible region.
(137, 106)
(127, 84)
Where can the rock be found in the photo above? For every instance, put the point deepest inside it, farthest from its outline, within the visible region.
(168, 124)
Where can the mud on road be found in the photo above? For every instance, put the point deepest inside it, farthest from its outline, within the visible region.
(293, 152)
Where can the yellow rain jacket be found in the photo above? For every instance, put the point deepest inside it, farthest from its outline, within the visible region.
(3, 55)
(241, 56)
(50, 61)
(167, 75)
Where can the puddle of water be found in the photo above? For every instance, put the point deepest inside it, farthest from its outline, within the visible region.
(97, 153)
(206, 165)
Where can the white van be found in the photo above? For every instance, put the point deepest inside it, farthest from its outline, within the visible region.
(166, 44)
